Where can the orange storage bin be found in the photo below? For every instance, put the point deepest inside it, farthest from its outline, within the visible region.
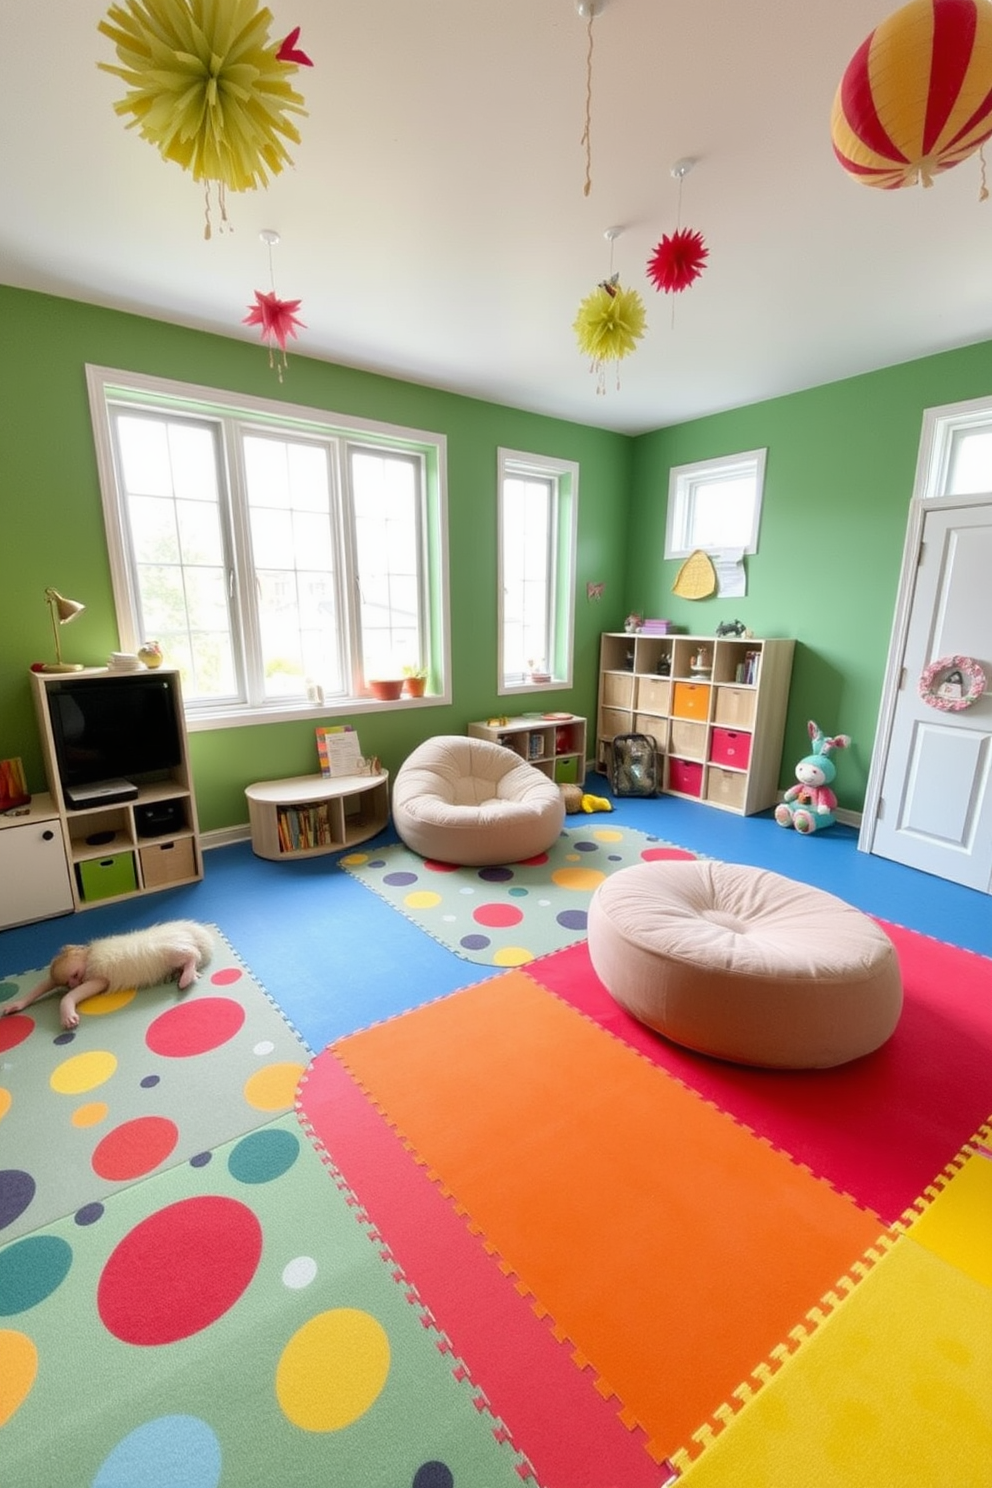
(691, 700)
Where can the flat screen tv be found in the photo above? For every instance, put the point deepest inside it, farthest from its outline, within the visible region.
(110, 727)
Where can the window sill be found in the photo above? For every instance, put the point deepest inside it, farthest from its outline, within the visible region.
(203, 721)
(508, 689)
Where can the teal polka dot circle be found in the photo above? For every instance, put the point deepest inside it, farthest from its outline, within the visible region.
(263, 1155)
(31, 1270)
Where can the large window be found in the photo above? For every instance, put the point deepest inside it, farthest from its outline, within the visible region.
(282, 556)
(538, 512)
(715, 504)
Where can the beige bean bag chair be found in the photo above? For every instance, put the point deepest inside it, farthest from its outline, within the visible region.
(468, 801)
(744, 964)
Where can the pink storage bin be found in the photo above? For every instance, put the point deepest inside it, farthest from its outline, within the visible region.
(730, 747)
(685, 776)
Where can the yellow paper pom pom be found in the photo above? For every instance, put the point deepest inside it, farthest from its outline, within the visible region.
(609, 325)
(206, 86)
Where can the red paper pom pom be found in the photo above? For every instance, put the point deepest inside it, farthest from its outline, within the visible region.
(677, 260)
(277, 318)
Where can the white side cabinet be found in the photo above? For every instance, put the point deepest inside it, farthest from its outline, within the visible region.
(34, 874)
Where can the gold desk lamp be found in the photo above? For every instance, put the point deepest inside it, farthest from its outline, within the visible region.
(63, 610)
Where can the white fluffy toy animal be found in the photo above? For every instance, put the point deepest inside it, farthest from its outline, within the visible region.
(116, 963)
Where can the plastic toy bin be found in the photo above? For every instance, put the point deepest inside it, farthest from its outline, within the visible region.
(104, 878)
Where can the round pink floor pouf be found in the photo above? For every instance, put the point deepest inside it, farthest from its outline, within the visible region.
(743, 964)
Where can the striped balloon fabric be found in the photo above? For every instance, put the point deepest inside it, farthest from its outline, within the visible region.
(917, 94)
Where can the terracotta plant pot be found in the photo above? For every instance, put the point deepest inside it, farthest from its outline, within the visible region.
(387, 690)
(414, 686)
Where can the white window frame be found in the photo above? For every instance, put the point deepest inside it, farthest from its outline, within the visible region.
(563, 476)
(109, 386)
(684, 480)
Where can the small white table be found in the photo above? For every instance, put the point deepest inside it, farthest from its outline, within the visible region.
(310, 814)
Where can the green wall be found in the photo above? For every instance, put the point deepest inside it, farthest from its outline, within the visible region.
(841, 461)
(52, 527)
(838, 486)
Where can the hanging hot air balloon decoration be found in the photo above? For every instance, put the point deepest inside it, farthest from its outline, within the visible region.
(916, 97)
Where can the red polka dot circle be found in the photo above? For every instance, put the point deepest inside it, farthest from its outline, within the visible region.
(134, 1148)
(195, 1027)
(179, 1270)
(226, 975)
(497, 916)
(668, 855)
(14, 1029)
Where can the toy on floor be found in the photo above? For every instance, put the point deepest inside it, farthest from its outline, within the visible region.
(114, 963)
(810, 805)
(596, 803)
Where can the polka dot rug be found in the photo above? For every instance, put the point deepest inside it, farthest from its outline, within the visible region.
(190, 1293)
(507, 915)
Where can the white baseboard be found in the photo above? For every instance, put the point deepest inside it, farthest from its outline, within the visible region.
(224, 836)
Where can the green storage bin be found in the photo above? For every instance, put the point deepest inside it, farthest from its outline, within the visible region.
(104, 878)
(567, 770)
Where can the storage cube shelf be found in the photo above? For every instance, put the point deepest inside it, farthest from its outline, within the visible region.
(555, 744)
(717, 718)
(109, 847)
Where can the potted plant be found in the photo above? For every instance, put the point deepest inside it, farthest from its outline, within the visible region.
(386, 689)
(414, 680)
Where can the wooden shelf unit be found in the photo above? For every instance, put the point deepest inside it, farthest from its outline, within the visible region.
(718, 732)
(307, 815)
(555, 746)
(129, 860)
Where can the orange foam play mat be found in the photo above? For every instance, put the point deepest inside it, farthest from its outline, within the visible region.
(669, 1246)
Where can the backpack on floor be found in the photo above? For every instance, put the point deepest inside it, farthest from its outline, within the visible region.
(634, 765)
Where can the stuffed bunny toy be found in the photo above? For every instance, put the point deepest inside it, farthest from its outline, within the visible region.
(810, 805)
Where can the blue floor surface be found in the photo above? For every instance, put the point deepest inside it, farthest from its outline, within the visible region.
(336, 958)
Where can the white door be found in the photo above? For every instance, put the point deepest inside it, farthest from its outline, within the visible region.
(932, 806)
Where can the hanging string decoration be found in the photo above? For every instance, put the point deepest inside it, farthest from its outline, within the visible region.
(276, 318)
(208, 88)
(588, 9)
(916, 97)
(677, 261)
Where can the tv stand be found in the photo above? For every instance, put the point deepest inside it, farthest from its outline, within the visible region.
(110, 853)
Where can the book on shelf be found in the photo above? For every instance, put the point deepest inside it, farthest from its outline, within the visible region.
(338, 750)
(303, 827)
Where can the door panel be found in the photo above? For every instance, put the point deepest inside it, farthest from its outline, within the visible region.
(935, 811)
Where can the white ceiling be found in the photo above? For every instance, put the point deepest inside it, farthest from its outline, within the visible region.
(434, 222)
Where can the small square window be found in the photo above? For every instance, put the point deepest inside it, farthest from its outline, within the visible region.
(715, 504)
